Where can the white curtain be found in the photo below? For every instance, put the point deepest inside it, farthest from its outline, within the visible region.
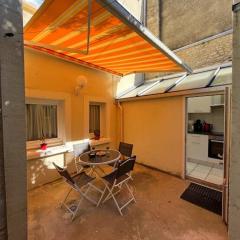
(94, 118)
(41, 121)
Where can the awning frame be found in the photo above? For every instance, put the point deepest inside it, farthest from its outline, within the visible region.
(118, 10)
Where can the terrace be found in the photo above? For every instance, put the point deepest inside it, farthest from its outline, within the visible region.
(159, 213)
(95, 114)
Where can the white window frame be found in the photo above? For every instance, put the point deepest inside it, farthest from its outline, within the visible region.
(63, 102)
(104, 116)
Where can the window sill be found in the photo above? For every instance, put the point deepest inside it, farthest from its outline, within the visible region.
(101, 141)
(49, 152)
(36, 153)
(35, 145)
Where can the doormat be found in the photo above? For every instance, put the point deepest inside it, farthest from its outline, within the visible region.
(204, 197)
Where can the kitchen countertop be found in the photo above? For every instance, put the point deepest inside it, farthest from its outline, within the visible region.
(217, 134)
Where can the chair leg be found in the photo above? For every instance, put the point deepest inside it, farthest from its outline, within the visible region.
(100, 199)
(130, 191)
(116, 202)
(74, 214)
(109, 196)
(112, 195)
(79, 202)
(66, 197)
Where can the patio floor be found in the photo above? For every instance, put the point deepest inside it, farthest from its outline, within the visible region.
(158, 214)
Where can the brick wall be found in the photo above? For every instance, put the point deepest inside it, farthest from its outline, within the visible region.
(179, 23)
(188, 21)
(153, 16)
(212, 52)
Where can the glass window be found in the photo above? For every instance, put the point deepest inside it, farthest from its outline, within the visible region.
(161, 87)
(41, 122)
(224, 76)
(137, 90)
(195, 80)
(94, 117)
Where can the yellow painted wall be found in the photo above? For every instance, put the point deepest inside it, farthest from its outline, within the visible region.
(156, 128)
(46, 73)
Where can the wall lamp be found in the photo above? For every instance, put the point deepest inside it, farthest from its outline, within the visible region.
(81, 82)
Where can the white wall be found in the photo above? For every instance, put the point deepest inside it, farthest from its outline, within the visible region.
(216, 118)
(133, 6)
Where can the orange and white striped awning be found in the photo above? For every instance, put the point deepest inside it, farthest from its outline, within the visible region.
(100, 34)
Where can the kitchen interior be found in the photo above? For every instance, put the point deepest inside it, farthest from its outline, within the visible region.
(205, 139)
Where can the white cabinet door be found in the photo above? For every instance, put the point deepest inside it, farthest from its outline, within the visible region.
(199, 104)
(197, 146)
(217, 100)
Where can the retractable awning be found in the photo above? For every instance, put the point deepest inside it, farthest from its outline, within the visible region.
(100, 34)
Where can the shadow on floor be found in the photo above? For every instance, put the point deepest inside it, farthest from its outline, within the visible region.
(158, 214)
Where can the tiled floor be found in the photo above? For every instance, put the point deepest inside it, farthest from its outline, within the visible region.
(209, 173)
(159, 213)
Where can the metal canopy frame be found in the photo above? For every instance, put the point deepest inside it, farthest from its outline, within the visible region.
(118, 10)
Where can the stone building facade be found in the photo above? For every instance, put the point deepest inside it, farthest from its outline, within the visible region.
(199, 31)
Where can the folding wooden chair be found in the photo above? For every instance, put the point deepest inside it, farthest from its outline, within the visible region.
(116, 180)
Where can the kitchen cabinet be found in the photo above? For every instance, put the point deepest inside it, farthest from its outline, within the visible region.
(197, 147)
(199, 104)
(217, 100)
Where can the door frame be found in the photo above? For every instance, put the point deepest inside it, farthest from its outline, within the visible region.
(227, 151)
(227, 131)
(222, 92)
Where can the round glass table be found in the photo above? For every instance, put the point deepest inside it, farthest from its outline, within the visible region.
(92, 158)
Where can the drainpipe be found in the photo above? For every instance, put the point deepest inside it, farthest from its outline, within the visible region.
(121, 121)
(234, 176)
(3, 212)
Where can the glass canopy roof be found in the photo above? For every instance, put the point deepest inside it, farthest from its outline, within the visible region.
(197, 80)
(162, 86)
(211, 77)
(138, 90)
(223, 77)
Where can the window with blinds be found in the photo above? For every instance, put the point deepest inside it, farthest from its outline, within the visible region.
(41, 122)
(94, 117)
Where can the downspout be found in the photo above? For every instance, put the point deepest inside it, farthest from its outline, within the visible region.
(121, 121)
(3, 212)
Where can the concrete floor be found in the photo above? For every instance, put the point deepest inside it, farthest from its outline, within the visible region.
(158, 214)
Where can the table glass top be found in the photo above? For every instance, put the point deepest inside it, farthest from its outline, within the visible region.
(109, 156)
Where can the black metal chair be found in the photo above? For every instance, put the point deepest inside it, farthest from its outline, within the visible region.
(81, 183)
(116, 180)
(79, 149)
(125, 149)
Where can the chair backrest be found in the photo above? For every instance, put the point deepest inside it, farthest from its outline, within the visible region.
(64, 174)
(126, 149)
(80, 148)
(126, 166)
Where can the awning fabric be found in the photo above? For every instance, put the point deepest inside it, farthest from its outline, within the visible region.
(119, 43)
